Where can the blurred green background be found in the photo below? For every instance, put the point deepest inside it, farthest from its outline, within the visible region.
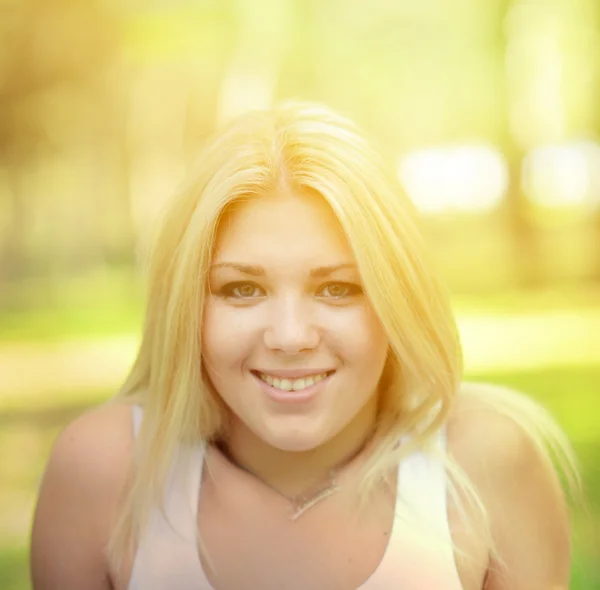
(489, 110)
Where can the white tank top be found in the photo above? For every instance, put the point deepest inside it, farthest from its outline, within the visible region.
(418, 556)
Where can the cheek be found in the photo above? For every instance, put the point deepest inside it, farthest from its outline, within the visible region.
(360, 336)
(225, 338)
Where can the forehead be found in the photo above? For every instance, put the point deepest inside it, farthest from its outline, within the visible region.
(281, 227)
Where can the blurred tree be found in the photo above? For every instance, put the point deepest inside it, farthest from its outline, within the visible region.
(521, 227)
(595, 92)
(553, 77)
(251, 77)
(53, 56)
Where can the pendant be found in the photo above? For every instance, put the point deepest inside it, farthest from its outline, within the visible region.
(303, 503)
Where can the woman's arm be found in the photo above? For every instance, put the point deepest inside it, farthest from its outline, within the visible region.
(529, 519)
(520, 489)
(78, 496)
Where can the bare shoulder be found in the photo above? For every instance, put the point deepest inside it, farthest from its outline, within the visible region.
(92, 454)
(486, 424)
(497, 437)
(503, 431)
(96, 445)
(79, 495)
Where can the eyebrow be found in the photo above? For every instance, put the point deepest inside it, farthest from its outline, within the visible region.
(259, 271)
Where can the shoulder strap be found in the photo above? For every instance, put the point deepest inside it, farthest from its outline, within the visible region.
(167, 553)
(137, 413)
(422, 489)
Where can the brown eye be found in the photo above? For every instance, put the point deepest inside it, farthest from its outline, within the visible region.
(242, 291)
(336, 290)
(339, 290)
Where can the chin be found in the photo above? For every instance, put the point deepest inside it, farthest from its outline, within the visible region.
(295, 446)
(299, 442)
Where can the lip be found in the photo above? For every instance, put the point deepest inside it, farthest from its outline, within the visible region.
(293, 373)
(293, 397)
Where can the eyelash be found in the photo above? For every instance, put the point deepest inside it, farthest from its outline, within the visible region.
(352, 290)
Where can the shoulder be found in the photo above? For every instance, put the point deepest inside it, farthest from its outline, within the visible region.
(505, 431)
(92, 454)
(486, 424)
(81, 488)
(93, 451)
(499, 436)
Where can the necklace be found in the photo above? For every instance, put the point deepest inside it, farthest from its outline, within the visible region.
(304, 501)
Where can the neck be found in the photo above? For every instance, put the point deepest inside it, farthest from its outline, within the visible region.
(292, 473)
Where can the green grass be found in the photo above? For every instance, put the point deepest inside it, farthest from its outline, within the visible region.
(95, 305)
(14, 568)
(83, 322)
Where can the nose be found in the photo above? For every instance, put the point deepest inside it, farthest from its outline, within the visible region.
(291, 328)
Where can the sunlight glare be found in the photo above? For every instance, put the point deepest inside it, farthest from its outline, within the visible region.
(456, 178)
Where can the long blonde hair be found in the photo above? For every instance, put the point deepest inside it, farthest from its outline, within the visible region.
(309, 148)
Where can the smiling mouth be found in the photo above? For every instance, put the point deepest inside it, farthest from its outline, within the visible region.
(285, 384)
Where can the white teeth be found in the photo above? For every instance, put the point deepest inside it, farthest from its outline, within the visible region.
(292, 385)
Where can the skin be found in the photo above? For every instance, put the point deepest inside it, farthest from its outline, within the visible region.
(291, 321)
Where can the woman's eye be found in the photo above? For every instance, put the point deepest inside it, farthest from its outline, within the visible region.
(242, 290)
(339, 290)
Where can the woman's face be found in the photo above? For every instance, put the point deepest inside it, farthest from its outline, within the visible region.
(290, 342)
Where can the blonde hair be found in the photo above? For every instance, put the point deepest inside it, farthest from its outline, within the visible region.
(303, 147)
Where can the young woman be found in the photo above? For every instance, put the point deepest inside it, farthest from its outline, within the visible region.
(296, 417)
